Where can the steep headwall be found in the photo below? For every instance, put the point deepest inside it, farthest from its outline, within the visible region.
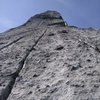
(45, 59)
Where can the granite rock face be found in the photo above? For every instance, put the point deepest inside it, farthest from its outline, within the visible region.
(45, 59)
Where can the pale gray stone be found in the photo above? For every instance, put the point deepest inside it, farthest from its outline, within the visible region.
(46, 59)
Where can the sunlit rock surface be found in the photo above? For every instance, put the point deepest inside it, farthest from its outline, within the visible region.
(45, 59)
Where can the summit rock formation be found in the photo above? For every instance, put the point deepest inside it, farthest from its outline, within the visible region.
(46, 59)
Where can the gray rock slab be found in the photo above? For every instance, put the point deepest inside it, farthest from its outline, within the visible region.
(45, 59)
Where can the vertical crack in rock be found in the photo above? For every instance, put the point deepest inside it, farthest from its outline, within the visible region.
(6, 92)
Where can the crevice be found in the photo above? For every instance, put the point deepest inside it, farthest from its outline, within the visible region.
(6, 92)
(16, 40)
(59, 47)
(58, 23)
(63, 31)
(51, 34)
(46, 17)
(11, 43)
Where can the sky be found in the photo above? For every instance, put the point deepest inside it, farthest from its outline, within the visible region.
(80, 13)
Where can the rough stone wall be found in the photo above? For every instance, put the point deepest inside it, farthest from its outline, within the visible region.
(45, 59)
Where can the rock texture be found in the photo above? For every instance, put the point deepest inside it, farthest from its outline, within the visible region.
(45, 59)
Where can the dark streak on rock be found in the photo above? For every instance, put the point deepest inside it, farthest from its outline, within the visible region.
(52, 34)
(63, 31)
(59, 47)
(6, 92)
(12, 42)
(97, 49)
(58, 23)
